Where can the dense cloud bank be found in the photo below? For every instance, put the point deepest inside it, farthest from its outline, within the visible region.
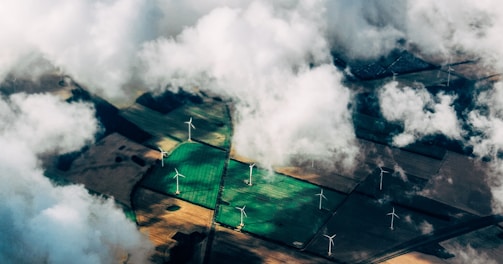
(275, 65)
(42, 223)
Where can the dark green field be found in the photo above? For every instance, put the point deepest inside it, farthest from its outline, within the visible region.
(279, 207)
(212, 122)
(202, 167)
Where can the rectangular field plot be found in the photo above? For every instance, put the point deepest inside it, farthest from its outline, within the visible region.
(151, 121)
(211, 120)
(202, 167)
(279, 207)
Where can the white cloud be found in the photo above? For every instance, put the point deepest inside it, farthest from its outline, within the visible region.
(365, 29)
(468, 255)
(94, 41)
(46, 123)
(44, 223)
(487, 122)
(426, 227)
(421, 113)
(260, 57)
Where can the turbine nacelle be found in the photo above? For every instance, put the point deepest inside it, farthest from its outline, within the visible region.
(330, 243)
(163, 154)
(322, 196)
(393, 215)
(190, 126)
(177, 176)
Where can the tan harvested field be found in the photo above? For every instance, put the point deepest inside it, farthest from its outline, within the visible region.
(415, 258)
(161, 217)
(109, 167)
(230, 246)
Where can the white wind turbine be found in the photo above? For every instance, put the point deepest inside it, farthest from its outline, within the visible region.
(163, 154)
(381, 176)
(330, 243)
(321, 198)
(393, 215)
(251, 172)
(190, 127)
(449, 69)
(243, 214)
(177, 175)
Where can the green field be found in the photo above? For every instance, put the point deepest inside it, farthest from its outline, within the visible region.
(278, 207)
(212, 122)
(202, 167)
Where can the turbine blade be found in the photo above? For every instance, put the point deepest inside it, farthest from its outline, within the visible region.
(244, 213)
(176, 171)
(193, 127)
(181, 175)
(327, 236)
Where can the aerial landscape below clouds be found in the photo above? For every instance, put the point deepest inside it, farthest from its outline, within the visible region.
(277, 63)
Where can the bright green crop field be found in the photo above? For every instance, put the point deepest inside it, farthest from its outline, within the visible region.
(202, 167)
(279, 207)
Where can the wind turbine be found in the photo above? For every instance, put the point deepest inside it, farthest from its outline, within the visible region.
(163, 154)
(251, 172)
(321, 197)
(393, 215)
(381, 176)
(243, 213)
(190, 126)
(330, 243)
(177, 175)
(449, 69)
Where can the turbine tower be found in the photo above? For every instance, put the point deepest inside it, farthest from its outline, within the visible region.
(190, 127)
(243, 213)
(251, 172)
(177, 175)
(163, 154)
(381, 176)
(393, 215)
(449, 69)
(321, 198)
(330, 243)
